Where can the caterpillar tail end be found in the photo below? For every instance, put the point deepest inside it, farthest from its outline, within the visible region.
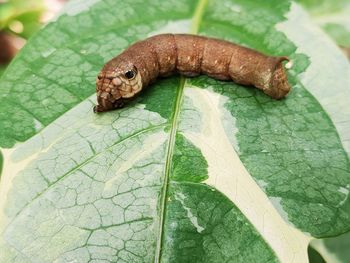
(278, 87)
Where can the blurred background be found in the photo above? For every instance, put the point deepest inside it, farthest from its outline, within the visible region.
(19, 19)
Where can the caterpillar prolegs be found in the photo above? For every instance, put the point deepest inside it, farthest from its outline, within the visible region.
(190, 55)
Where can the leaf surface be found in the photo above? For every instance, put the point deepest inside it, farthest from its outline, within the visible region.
(193, 170)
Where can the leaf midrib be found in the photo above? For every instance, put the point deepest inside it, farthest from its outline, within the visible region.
(196, 20)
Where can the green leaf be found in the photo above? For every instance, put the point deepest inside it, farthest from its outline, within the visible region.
(26, 13)
(193, 170)
(218, 232)
(332, 16)
(2, 70)
(314, 256)
(333, 249)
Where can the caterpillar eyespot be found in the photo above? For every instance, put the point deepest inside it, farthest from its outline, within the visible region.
(190, 55)
(130, 74)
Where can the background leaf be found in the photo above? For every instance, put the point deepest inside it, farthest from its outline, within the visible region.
(21, 17)
(333, 249)
(333, 17)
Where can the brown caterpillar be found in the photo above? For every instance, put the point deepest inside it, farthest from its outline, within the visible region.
(190, 55)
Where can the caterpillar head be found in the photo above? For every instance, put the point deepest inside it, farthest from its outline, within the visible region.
(115, 85)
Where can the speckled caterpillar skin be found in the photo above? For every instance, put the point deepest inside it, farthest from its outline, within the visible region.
(162, 55)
